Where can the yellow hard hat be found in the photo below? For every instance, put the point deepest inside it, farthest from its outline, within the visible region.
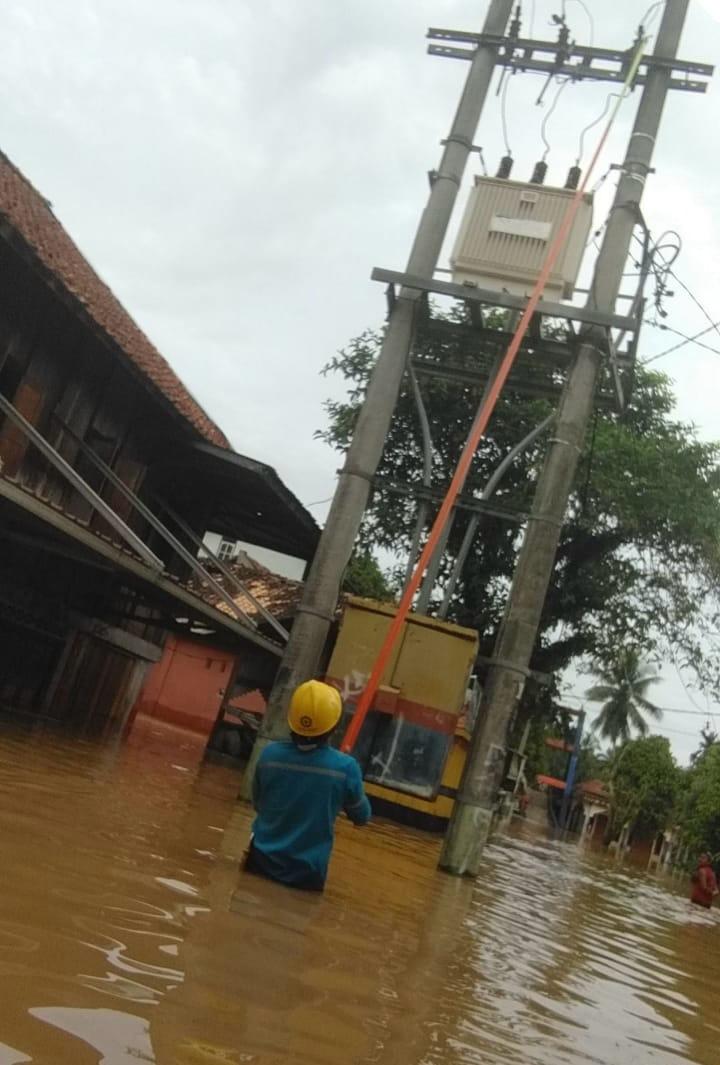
(315, 709)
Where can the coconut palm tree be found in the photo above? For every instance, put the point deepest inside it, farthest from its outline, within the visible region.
(622, 690)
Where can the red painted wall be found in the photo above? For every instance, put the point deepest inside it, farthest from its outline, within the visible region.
(186, 687)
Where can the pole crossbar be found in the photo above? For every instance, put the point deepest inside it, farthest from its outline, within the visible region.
(556, 57)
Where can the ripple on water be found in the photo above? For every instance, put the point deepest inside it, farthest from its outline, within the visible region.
(125, 935)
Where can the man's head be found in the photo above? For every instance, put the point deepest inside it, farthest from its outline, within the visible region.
(704, 859)
(315, 710)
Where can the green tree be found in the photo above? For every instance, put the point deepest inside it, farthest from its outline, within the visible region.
(644, 782)
(699, 811)
(364, 577)
(622, 691)
(638, 562)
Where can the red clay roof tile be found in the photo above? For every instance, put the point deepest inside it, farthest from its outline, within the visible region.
(32, 218)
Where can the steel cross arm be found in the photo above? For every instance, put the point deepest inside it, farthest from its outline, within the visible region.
(521, 54)
(156, 524)
(88, 493)
(434, 495)
(464, 376)
(225, 570)
(493, 298)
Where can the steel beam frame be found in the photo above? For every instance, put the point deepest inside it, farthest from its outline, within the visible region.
(569, 59)
(435, 495)
(492, 298)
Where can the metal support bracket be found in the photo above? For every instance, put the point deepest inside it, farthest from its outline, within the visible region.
(567, 59)
(197, 568)
(225, 570)
(492, 298)
(545, 679)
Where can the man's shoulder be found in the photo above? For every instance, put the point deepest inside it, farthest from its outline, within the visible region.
(340, 761)
(276, 749)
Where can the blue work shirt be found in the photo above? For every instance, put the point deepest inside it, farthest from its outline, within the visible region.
(298, 793)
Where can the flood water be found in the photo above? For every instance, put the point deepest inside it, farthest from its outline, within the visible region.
(127, 934)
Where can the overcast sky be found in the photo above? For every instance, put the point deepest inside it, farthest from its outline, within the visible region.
(234, 170)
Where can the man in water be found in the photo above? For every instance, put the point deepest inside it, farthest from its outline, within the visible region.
(299, 789)
(704, 881)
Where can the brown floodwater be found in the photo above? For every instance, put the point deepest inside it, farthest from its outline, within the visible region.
(127, 935)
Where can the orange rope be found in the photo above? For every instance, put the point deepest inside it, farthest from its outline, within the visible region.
(479, 426)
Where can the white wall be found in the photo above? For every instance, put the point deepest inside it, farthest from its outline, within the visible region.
(284, 565)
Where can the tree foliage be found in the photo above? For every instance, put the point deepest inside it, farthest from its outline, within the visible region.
(364, 577)
(622, 690)
(644, 783)
(699, 809)
(639, 559)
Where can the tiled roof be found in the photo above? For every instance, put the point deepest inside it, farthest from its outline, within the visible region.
(596, 788)
(32, 218)
(277, 594)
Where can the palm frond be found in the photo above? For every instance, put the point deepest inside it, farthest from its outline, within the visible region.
(599, 692)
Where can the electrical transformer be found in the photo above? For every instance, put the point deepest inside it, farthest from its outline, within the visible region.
(506, 231)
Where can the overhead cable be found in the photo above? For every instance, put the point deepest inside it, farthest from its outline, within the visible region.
(650, 15)
(687, 340)
(591, 125)
(713, 324)
(503, 115)
(543, 128)
(590, 19)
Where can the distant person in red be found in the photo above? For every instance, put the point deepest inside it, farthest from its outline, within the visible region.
(704, 882)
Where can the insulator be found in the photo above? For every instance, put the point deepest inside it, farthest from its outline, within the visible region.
(505, 168)
(573, 178)
(538, 174)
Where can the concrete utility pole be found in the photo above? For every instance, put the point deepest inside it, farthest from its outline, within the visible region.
(472, 817)
(319, 601)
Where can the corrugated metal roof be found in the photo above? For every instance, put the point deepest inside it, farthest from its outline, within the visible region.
(31, 216)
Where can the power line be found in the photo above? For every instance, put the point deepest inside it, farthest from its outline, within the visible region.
(591, 125)
(661, 275)
(646, 20)
(676, 731)
(676, 347)
(590, 19)
(713, 324)
(503, 112)
(563, 85)
(685, 339)
(665, 709)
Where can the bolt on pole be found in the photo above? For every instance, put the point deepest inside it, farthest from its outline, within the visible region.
(317, 608)
(472, 817)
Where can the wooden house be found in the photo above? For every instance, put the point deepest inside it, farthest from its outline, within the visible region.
(110, 473)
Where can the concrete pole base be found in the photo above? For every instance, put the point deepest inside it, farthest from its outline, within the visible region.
(466, 837)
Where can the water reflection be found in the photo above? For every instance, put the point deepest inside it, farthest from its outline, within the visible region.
(127, 934)
(120, 1037)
